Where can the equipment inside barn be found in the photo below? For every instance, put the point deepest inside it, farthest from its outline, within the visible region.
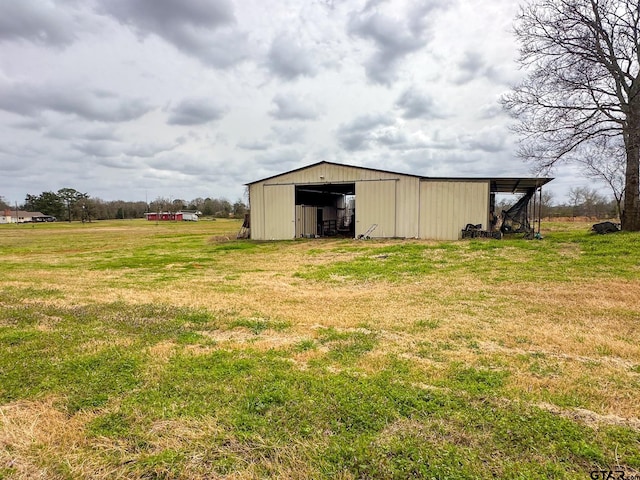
(325, 210)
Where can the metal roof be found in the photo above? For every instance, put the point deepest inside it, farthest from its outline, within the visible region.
(511, 185)
(516, 185)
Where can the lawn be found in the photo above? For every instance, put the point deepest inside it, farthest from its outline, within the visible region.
(130, 349)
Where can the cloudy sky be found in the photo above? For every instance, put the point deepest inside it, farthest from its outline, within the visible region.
(127, 99)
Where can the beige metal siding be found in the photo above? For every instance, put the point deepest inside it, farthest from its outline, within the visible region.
(447, 206)
(385, 199)
(256, 208)
(328, 173)
(279, 212)
(401, 205)
(376, 204)
(407, 198)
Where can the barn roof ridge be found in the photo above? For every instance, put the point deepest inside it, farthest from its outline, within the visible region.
(498, 184)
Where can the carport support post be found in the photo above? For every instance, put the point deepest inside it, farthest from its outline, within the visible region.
(539, 210)
(533, 213)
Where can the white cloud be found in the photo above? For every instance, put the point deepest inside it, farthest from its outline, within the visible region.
(394, 36)
(363, 131)
(288, 59)
(294, 107)
(205, 30)
(43, 22)
(33, 100)
(418, 104)
(198, 97)
(195, 111)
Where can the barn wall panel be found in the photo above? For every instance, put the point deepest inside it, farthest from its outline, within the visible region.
(407, 207)
(447, 206)
(320, 174)
(376, 204)
(256, 208)
(326, 174)
(279, 212)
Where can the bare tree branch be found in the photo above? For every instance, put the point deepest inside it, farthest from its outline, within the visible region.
(582, 93)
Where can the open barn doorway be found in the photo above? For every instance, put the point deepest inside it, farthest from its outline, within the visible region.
(325, 210)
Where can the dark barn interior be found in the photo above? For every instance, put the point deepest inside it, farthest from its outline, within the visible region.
(325, 210)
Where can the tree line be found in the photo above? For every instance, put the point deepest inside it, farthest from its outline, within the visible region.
(68, 204)
(581, 202)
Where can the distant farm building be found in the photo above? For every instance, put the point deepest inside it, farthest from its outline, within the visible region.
(326, 199)
(185, 216)
(21, 216)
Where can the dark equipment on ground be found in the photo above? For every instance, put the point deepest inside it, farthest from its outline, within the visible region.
(367, 235)
(476, 231)
(605, 227)
(245, 230)
(516, 219)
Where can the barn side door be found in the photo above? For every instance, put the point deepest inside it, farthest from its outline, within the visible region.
(376, 205)
(279, 212)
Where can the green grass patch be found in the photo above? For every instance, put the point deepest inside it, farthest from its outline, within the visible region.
(475, 380)
(305, 345)
(373, 425)
(347, 346)
(573, 254)
(239, 245)
(377, 426)
(428, 323)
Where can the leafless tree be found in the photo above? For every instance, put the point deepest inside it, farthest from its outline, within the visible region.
(546, 203)
(588, 202)
(606, 161)
(582, 87)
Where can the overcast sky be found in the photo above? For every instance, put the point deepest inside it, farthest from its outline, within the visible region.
(127, 99)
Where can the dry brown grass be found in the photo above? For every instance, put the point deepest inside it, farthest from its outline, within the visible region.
(557, 340)
(38, 441)
(35, 436)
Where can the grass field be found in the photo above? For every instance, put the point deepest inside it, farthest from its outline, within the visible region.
(132, 349)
